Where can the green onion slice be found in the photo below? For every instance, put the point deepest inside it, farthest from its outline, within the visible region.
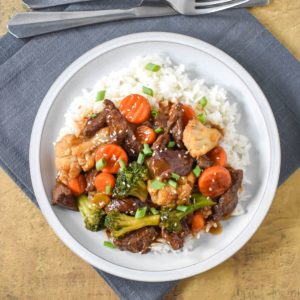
(93, 116)
(141, 158)
(154, 211)
(152, 67)
(122, 164)
(175, 176)
(159, 130)
(197, 171)
(171, 144)
(172, 183)
(148, 91)
(100, 95)
(203, 101)
(147, 150)
(154, 113)
(202, 117)
(108, 189)
(109, 244)
(182, 208)
(140, 212)
(100, 164)
(157, 184)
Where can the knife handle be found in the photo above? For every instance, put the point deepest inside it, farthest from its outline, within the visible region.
(30, 24)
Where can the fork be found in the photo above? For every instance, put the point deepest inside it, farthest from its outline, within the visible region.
(30, 24)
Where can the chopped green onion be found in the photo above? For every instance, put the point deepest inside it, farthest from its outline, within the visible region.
(197, 171)
(100, 164)
(140, 212)
(159, 130)
(154, 211)
(108, 189)
(147, 150)
(202, 117)
(100, 95)
(148, 91)
(152, 67)
(141, 158)
(199, 198)
(122, 164)
(182, 208)
(203, 101)
(171, 144)
(93, 116)
(172, 183)
(154, 113)
(157, 184)
(175, 176)
(109, 244)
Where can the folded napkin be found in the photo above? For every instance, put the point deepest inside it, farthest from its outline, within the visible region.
(28, 68)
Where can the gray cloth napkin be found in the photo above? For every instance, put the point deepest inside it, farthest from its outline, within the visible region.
(28, 68)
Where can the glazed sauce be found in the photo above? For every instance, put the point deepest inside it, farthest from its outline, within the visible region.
(216, 230)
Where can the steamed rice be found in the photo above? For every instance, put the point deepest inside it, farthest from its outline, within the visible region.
(171, 82)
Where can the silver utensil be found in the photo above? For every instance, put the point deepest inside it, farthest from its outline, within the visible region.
(200, 7)
(30, 24)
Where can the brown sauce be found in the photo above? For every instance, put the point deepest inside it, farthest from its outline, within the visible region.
(216, 230)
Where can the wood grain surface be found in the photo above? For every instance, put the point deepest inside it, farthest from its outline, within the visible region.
(35, 264)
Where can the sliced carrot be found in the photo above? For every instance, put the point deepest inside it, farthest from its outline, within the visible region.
(135, 108)
(188, 114)
(104, 183)
(214, 181)
(197, 222)
(100, 200)
(77, 185)
(111, 154)
(145, 134)
(218, 156)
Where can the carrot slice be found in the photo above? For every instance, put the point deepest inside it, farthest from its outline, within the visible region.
(135, 108)
(197, 222)
(104, 183)
(218, 156)
(145, 135)
(188, 114)
(77, 185)
(100, 200)
(214, 181)
(111, 154)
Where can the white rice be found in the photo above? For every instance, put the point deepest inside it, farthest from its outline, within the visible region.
(172, 83)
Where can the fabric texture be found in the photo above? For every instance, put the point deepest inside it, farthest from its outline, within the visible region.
(28, 68)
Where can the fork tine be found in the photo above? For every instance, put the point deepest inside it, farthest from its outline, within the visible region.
(200, 3)
(199, 10)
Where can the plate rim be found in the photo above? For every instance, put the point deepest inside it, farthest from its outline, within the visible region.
(141, 275)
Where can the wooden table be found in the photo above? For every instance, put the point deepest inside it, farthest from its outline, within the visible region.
(34, 263)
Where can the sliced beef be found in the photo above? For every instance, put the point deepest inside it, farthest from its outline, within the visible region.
(204, 162)
(175, 124)
(163, 115)
(138, 241)
(132, 146)
(126, 205)
(62, 196)
(163, 163)
(228, 201)
(94, 124)
(176, 239)
(161, 142)
(90, 179)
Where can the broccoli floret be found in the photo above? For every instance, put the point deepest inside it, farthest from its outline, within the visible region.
(171, 219)
(120, 224)
(132, 182)
(93, 216)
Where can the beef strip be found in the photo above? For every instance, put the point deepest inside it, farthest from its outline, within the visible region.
(126, 205)
(62, 196)
(204, 162)
(132, 146)
(176, 239)
(163, 115)
(175, 124)
(95, 124)
(138, 241)
(228, 201)
(161, 142)
(90, 179)
(163, 163)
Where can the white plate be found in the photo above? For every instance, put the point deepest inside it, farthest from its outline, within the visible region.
(257, 122)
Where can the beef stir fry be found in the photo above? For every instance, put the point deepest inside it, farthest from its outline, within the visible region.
(146, 173)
